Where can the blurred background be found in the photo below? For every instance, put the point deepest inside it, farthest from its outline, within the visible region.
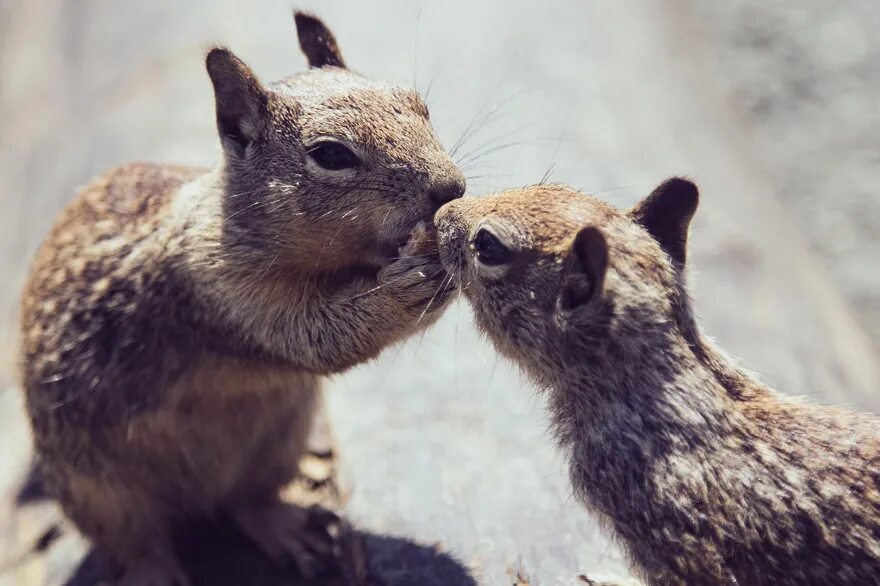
(772, 107)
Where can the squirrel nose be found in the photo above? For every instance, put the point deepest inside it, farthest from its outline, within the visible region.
(447, 190)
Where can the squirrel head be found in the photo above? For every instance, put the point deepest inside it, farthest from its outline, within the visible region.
(555, 276)
(326, 168)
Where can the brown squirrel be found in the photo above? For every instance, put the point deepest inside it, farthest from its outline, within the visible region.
(177, 321)
(706, 475)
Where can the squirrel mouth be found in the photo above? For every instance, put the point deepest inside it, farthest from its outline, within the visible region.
(389, 248)
(386, 250)
(393, 243)
(421, 238)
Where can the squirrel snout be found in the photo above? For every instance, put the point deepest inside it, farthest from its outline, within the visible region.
(446, 190)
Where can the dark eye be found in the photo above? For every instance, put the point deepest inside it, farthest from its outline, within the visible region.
(489, 249)
(333, 156)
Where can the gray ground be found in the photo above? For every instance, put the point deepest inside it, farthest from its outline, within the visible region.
(806, 76)
(439, 440)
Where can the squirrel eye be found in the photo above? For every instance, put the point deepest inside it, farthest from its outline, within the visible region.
(489, 249)
(333, 156)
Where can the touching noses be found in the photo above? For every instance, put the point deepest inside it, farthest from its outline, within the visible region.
(446, 190)
(446, 215)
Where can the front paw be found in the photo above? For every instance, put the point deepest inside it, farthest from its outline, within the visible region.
(418, 282)
(290, 535)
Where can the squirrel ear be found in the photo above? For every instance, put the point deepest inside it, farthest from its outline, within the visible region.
(242, 103)
(585, 269)
(317, 42)
(666, 214)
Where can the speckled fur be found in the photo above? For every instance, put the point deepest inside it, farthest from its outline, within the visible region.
(704, 474)
(177, 321)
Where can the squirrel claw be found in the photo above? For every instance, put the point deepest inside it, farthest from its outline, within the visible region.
(290, 535)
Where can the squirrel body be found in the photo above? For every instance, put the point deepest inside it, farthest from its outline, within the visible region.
(703, 473)
(178, 322)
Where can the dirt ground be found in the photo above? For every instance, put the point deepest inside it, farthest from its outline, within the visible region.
(806, 79)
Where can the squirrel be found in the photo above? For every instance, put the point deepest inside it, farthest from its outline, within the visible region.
(177, 322)
(706, 475)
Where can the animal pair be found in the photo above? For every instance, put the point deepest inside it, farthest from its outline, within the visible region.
(178, 323)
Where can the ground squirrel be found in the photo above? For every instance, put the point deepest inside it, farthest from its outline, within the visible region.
(177, 321)
(704, 474)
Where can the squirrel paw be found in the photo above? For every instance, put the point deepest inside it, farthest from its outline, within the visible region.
(418, 282)
(291, 535)
(417, 279)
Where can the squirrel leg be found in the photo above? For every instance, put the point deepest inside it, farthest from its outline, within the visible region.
(289, 534)
(127, 524)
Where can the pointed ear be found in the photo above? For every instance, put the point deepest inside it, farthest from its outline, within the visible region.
(585, 269)
(666, 214)
(317, 42)
(242, 103)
